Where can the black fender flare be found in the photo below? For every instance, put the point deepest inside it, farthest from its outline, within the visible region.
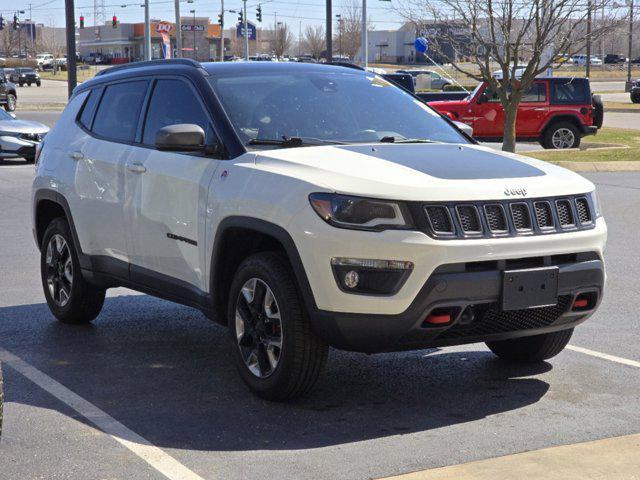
(273, 230)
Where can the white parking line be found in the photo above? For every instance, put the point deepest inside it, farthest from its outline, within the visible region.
(154, 456)
(605, 356)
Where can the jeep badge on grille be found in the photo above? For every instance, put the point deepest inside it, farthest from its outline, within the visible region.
(514, 192)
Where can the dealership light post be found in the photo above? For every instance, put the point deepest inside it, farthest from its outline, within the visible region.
(70, 31)
(178, 52)
(329, 28)
(147, 31)
(194, 34)
(365, 34)
(630, 45)
(246, 31)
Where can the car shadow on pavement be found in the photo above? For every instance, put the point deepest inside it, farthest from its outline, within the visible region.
(165, 372)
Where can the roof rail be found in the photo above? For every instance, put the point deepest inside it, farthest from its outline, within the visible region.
(189, 62)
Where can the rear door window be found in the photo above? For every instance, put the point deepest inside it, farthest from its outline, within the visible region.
(119, 110)
(536, 93)
(89, 108)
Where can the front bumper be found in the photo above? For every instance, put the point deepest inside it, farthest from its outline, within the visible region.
(467, 288)
(15, 147)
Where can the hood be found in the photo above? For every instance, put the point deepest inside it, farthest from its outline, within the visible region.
(433, 172)
(22, 126)
(447, 104)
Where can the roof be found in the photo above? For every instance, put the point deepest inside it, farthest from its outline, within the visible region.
(235, 68)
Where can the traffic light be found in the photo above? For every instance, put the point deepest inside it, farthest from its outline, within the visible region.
(81, 21)
(114, 22)
(1, 23)
(16, 22)
(220, 20)
(259, 13)
(240, 17)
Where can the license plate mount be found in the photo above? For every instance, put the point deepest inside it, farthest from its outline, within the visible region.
(530, 288)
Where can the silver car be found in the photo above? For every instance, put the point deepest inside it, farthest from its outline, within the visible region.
(437, 81)
(19, 138)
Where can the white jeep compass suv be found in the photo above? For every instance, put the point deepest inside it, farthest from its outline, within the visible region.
(306, 206)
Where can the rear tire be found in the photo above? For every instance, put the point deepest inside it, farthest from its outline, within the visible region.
(70, 298)
(531, 349)
(561, 135)
(265, 310)
(635, 97)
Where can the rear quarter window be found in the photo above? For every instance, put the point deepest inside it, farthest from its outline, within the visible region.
(570, 92)
(89, 107)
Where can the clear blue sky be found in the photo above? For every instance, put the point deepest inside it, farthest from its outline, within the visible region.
(51, 12)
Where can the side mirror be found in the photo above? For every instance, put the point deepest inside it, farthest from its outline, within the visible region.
(467, 129)
(182, 137)
(482, 98)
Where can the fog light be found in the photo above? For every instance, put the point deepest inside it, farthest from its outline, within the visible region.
(370, 276)
(351, 279)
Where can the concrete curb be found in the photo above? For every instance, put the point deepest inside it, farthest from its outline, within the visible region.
(621, 110)
(621, 166)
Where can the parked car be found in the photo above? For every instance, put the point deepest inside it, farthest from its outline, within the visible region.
(581, 60)
(8, 94)
(612, 58)
(437, 81)
(325, 208)
(25, 76)
(557, 112)
(635, 91)
(19, 138)
(635, 61)
(44, 61)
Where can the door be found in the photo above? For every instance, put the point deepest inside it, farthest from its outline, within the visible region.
(100, 167)
(533, 110)
(488, 117)
(167, 191)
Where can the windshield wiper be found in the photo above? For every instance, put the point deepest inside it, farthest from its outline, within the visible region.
(293, 142)
(405, 140)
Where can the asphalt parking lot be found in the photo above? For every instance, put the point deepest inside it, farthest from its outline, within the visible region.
(157, 379)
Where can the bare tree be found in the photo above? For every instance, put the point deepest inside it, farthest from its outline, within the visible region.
(283, 39)
(518, 38)
(349, 28)
(314, 41)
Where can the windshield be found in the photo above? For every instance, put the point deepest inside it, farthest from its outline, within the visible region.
(327, 107)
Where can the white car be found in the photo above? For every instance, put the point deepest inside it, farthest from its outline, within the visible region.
(581, 60)
(306, 206)
(44, 60)
(19, 138)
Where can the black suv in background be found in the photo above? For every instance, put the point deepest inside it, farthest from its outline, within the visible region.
(25, 76)
(635, 91)
(8, 96)
(614, 58)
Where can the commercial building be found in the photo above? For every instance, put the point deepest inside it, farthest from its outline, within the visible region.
(125, 42)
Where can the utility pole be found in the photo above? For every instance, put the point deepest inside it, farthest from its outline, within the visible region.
(246, 31)
(194, 34)
(147, 32)
(329, 28)
(221, 30)
(588, 65)
(72, 79)
(628, 89)
(339, 17)
(300, 39)
(178, 52)
(31, 31)
(365, 34)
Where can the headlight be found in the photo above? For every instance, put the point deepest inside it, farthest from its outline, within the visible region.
(596, 204)
(360, 213)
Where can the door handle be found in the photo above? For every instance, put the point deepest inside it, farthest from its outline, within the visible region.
(76, 155)
(136, 167)
(540, 109)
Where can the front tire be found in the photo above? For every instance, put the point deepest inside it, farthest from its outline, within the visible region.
(70, 298)
(561, 135)
(10, 106)
(531, 349)
(635, 97)
(276, 352)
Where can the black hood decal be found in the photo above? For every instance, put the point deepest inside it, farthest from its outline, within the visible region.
(449, 162)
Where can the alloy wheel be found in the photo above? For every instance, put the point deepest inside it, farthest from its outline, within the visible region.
(59, 270)
(563, 138)
(258, 328)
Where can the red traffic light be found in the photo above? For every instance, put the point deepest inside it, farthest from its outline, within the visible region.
(114, 21)
(81, 21)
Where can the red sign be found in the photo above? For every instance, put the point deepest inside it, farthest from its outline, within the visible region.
(164, 27)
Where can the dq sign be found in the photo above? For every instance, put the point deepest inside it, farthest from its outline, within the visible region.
(164, 29)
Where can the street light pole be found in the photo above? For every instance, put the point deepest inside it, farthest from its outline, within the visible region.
(365, 34)
(339, 17)
(329, 28)
(147, 31)
(588, 64)
(630, 45)
(246, 31)
(178, 31)
(194, 34)
(72, 79)
(222, 30)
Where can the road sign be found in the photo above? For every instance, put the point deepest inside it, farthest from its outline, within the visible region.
(191, 28)
(252, 31)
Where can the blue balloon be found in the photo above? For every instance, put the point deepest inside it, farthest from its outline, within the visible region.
(421, 45)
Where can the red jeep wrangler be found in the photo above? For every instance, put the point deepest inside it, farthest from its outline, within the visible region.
(557, 112)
